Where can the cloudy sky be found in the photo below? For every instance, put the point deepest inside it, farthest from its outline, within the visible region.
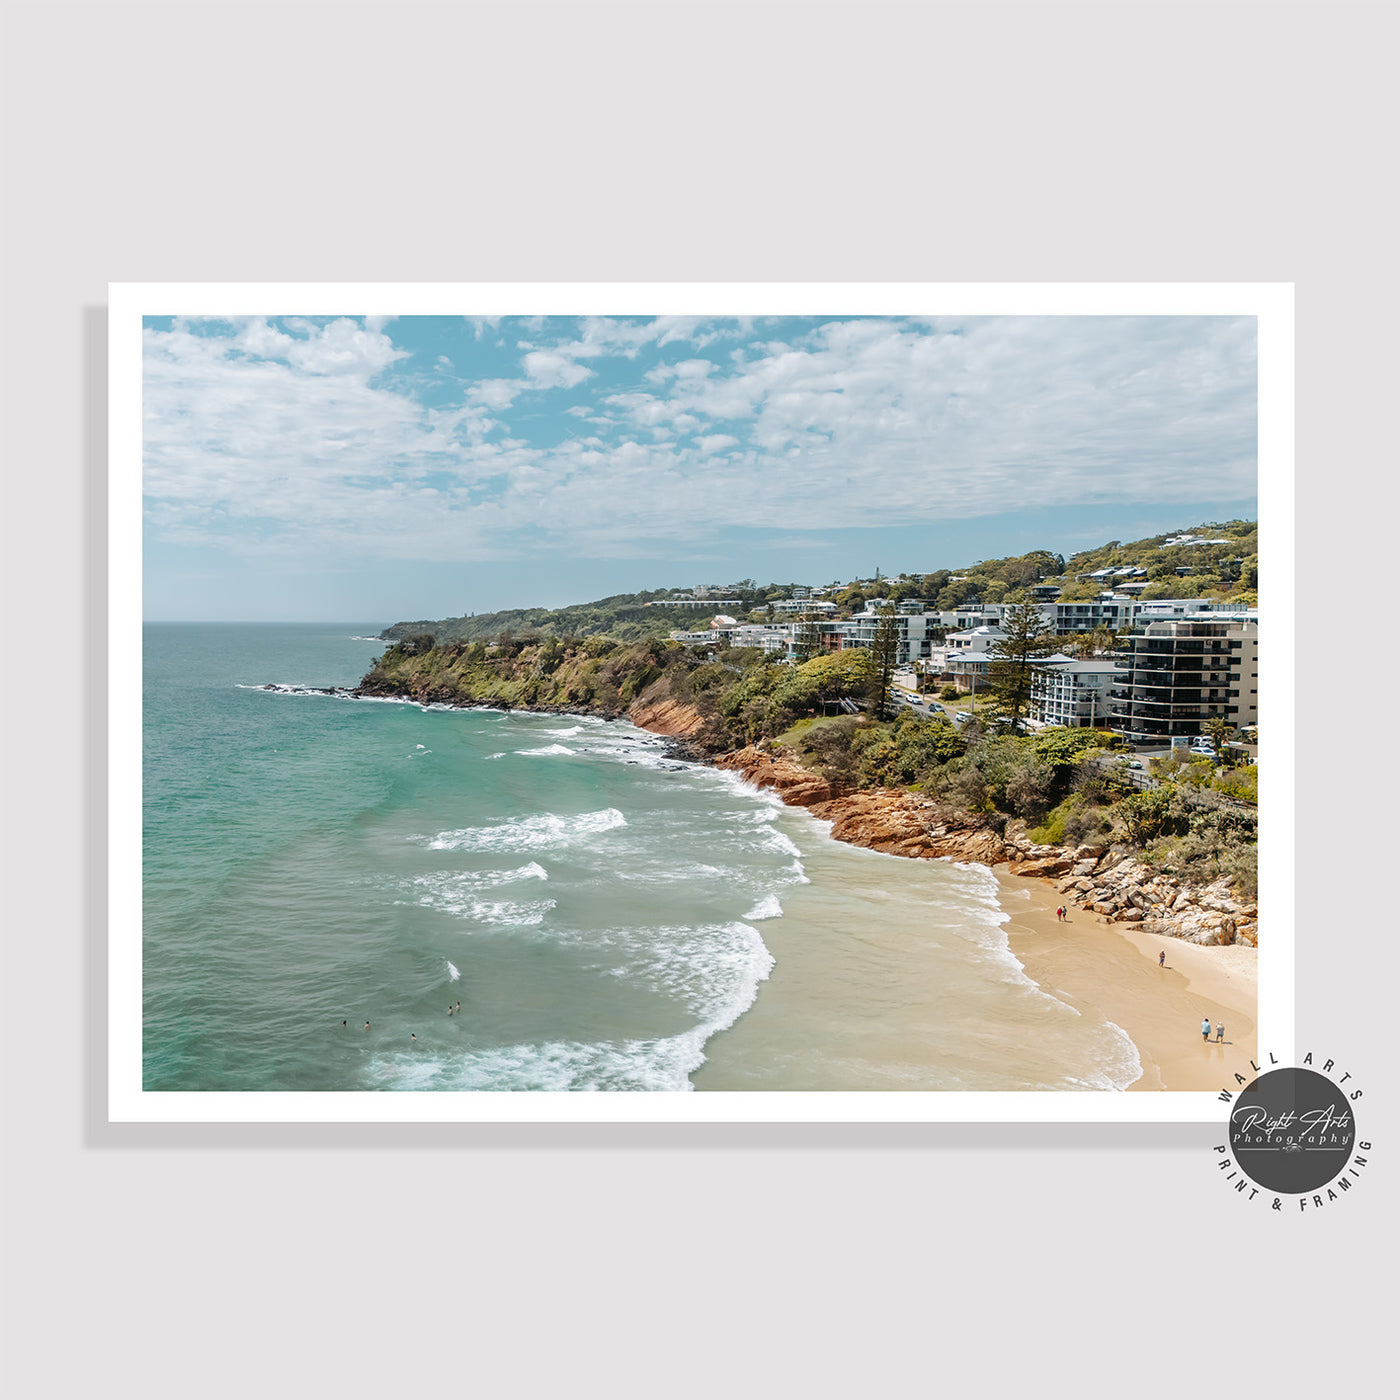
(376, 470)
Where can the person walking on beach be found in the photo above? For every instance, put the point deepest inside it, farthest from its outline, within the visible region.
(1205, 1029)
(1162, 958)
(1220, 1033)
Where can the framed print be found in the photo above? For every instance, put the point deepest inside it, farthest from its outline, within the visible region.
(699, 702)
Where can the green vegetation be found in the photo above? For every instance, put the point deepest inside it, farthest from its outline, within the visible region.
(884, 655)
(741, 698)
(1229, 571)
(1224, 571)
(1029, 638)
(1064, 783)
(1197, 819)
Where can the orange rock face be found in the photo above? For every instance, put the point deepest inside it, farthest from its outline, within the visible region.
(880, 819)
(791, 781)
(903, 823)
(666, 717)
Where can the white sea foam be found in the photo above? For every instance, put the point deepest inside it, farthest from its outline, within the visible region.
(775, 840)
(452, 973)
(552, 1065)
(549, 749)
(507, 913)
(767, 908)
(469, 881)
(528, 833)
(567, 733)
(681, 870)
(623, 752)
(1125, 1067)
(713, 970)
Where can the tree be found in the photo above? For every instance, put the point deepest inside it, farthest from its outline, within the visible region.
(807, 637)
(1218, 730)
(1102, 641)
(885, 654)
(1028, 638)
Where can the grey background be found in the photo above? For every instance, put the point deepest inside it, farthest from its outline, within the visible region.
(670, 142)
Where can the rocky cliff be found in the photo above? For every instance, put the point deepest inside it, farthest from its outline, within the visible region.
(1111, 882)
(1108, 881)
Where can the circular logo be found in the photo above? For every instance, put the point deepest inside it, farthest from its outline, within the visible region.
(1292, 1130)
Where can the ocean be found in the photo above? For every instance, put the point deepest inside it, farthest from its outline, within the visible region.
(355, 894)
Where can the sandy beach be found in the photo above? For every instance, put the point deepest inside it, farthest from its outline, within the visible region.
(1114, 968)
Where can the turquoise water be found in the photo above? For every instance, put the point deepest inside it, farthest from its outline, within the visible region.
(315, 862)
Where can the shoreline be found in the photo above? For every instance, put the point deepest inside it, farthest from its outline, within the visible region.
(1087, 960)
(1113, 967)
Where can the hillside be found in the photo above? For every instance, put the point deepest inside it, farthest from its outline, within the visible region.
(1227, 571)
(1194, 828)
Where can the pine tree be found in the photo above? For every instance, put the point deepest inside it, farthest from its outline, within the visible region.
(807, 637)
(885, 653)
(1029, 637)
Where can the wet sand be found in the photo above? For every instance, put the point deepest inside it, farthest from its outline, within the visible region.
(895, 974)
(1113, 968)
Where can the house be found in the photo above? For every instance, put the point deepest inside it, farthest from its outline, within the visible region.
(965, 656)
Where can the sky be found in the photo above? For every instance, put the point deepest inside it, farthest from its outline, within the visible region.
(381, 469)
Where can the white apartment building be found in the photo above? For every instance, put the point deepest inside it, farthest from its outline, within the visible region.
(1180, 672)
(790, 606)
(1073, 693)
(915, 633)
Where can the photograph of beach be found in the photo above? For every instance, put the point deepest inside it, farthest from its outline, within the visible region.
(717, 704)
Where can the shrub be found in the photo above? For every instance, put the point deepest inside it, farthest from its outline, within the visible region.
(968, 790)
(1240, 783)
(1029, 787)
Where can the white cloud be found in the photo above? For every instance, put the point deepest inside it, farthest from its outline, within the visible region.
(716, 442)
(850, 423)
(547, 369)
